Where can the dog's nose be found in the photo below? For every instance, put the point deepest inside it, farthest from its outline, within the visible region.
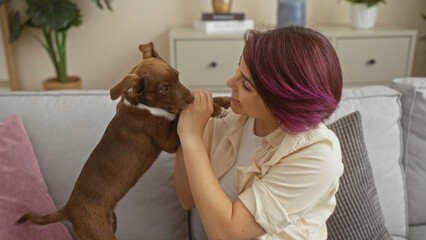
(189, 99)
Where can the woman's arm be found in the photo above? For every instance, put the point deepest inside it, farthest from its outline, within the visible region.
(181, 183)
(222, 218)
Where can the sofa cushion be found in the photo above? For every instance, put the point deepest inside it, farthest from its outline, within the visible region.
(414, 125)
(417, 232)
(358, 214)
(381, 112)
(22, 188)
(64, 128)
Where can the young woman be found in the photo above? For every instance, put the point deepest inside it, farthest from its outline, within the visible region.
(270, 169)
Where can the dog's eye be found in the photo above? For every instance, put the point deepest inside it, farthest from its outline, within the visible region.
(164, 90)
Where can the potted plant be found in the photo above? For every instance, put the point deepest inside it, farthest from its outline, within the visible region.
(364, 13)
(53, 18)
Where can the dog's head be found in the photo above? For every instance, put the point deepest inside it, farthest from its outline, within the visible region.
(153, 83)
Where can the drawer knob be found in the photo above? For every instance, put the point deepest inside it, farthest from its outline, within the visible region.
(213, 64)
(371, 62)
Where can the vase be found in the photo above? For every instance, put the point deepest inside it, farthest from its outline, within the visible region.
(291, 12)
(73, 83)
(363, 17)
(221, 6)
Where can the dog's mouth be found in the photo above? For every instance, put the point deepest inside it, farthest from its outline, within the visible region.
(175, 110)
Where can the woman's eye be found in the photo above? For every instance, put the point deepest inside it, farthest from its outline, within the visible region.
(244, 84)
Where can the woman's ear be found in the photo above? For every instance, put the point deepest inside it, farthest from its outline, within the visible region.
(123, 86)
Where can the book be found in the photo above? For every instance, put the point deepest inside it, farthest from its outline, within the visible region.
(231, 26)
(222, 16)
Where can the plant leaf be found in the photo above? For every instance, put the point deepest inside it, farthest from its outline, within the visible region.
(3, 1)
(77, 20)
(101, 5)
(369, 3)
(424, 16)
(15, 25)
(55, 14)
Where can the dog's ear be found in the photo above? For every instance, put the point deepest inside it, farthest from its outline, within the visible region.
(148, 51)
(123, 85)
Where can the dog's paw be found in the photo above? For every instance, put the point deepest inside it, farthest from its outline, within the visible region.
(219, 111)
(224, 102)
(222, 113)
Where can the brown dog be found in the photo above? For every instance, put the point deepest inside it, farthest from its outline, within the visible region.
(144, 125)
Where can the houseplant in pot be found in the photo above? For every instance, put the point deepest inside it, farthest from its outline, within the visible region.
(364, 13)
(53, 18)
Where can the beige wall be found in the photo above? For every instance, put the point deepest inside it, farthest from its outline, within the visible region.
(105, 47)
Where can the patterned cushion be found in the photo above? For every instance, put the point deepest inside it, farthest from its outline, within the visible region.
(357, 214)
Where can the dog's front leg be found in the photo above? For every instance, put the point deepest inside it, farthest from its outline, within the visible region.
(220, 104)
(169, 140)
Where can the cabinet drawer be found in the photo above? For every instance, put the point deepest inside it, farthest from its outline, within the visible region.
(368, 61)
(207, 64)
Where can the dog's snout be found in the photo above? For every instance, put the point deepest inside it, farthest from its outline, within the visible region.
(189, 99)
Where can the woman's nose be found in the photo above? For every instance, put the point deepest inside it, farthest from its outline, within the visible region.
(230, 82)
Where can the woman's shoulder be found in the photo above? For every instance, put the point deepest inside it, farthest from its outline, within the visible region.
(320, 143)
(319, 134)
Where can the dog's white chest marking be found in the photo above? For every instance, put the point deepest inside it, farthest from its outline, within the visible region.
(154, 111)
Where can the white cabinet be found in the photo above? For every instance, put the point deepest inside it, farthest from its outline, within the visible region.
(367, 56)
(207, 64)
(204, 61)
(374, 56)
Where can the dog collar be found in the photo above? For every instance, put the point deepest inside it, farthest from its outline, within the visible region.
(154, 111)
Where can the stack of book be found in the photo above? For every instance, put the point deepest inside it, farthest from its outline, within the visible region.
(216, 23)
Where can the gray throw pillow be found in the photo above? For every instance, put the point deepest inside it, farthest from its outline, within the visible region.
(357, 214)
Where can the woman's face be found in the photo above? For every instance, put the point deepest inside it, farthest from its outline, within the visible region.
(244, 99)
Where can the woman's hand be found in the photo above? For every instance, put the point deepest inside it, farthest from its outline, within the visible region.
(193, 119)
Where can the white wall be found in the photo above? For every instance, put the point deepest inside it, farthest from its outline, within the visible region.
(105, 47)
(4, 75)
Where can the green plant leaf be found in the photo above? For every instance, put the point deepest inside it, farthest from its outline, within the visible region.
(100, 4)
(369, 3)
(424, 16)
(55, 14)
(15, 25)
(3, 1)
(77, 21)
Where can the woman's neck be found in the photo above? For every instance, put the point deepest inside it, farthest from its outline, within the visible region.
(264, 126)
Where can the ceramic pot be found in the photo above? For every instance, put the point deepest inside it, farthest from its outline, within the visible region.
(363, 17)
(222, 6)
(291, 12)
(73, 83)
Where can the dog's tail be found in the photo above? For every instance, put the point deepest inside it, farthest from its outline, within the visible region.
(43, 220)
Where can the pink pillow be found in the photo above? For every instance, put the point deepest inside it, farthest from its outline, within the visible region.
(22, 187)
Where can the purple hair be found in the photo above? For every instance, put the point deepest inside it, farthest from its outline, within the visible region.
(297, 73)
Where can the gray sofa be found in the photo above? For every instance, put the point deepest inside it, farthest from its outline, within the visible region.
(64, 127)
